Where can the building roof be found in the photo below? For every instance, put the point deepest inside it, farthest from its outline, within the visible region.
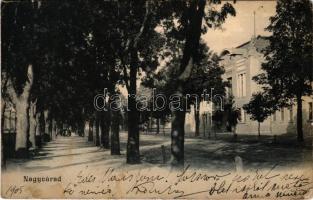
(260, 43)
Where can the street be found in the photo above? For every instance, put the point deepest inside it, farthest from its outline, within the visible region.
(207, 154)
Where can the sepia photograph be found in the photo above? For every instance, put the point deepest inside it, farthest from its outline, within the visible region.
(157, 99)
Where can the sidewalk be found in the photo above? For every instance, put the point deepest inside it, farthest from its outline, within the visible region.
(209, 154)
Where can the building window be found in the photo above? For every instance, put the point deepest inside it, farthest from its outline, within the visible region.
(310, 111)
(241, 85)
(282, 114)
(291, 113)
(229, 89)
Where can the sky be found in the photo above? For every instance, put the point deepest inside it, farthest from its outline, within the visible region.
(239, 29)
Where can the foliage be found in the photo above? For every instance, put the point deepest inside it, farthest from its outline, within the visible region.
(259, 107)
(288, 58)
(206, 74)
(232, 112)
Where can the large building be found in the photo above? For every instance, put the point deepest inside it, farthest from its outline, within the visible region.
(241, 64)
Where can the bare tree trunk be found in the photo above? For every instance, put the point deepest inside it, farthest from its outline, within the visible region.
(96, 132)
(204, 125)
(81, 128)
(4, 85)
(178, 137)
(47, 135)
(3, 156)
(133, 155)
(85, 130)
(299, 118)
(90, 130)
(158, 126)
(50, 128)
(57, 130)
(3, 106)
(32, 125)
(53, 129)
(22, 123)
(115, 130)
(164, 129)
(197, 118)
(22, 120)
(37, 132)
(42, 124)
(190, 54)
(105, 120)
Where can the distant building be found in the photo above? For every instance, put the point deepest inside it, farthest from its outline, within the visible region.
(241, 64)
(205, 113)
(9, 119)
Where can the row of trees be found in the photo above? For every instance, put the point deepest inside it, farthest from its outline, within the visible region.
(204, 75)
(57, 55)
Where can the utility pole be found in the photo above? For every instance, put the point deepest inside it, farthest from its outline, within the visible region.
(254, 34)
(254, 20)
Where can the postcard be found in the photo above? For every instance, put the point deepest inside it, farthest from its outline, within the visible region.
(171, 99)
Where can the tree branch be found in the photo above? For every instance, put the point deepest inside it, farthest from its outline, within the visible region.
(187, 72)
(28, 83)
(125, 77)
(143, 25)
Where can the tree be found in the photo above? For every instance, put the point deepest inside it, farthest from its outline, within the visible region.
(19, 36)
(205, 75)
(259, 108)
(189, 16)
(51, 37)
(58, 54)
(32, 124)
(233, 115)
(288, 58)
(137, 45)
(73, 68)
(182, 24)
(115, 128)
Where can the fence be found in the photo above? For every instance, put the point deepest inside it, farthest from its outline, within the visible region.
(9, 133)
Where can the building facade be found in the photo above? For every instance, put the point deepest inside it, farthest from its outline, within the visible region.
(241, 64)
